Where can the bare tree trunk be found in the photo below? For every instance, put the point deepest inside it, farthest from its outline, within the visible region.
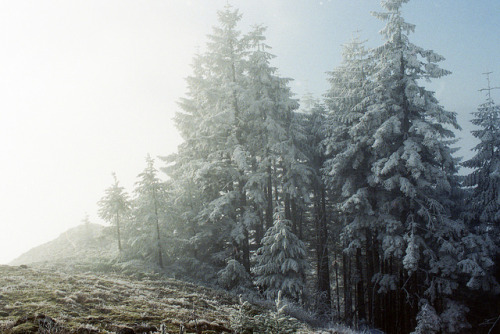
(336, 266)
(347, 288)
(246, 241)
(158, 240)
(360, 289)
(118, 233)
(369, 275)
(323, 262)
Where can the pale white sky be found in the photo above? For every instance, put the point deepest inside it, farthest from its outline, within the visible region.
(88, 87)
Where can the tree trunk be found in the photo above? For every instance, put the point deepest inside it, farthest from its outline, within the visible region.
(347, 289)
(246, 241)
(369, 276)
(323, 262)
(377, 297)
(336, 266)
(360, 289)
(118, 233)
(158, 240)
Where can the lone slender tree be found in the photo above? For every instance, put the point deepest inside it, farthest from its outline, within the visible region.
(149, 213)
(114, 207)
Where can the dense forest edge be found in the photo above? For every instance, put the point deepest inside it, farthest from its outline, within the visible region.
(350, 209)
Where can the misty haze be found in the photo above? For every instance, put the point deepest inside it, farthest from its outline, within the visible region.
(263, 166)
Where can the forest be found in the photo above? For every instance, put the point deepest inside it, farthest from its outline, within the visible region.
(351, 206)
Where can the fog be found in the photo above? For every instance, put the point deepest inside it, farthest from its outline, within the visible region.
(90, 87)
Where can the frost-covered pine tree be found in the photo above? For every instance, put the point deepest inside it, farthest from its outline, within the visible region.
(280, 261)
(149, 215)
(204, 171)
(412, 173)
(114, 207)
(274, 167)
(320, 210)
(238, 155)
(347, 165)
(393, 165)
(483, 204)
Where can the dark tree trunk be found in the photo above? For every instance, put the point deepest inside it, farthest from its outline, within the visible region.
(369, 275)
(245, 247)
(360, 288)
(347, 288)
(323, 262)
(336, 266)
(377, 297)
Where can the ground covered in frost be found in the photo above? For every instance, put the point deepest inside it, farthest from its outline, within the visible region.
(36, 299)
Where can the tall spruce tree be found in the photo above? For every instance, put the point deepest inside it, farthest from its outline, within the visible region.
(318, 210)
(483, 204)
(482, 207)
(238, 126)
(276, 168)
(393, 166)
(412, 173)
(346, 147)
(204, 170)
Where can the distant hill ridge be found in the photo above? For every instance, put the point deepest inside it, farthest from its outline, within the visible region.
(83, 242)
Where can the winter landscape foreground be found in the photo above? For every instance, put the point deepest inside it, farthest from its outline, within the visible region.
(76, 284)
(87, 298)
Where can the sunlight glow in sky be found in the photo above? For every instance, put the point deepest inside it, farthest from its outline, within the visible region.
(89, 87)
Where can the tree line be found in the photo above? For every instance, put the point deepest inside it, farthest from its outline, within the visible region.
(351, 206)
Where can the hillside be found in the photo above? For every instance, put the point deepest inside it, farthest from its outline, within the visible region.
(45, 301)
(84, 242)
(77, 284)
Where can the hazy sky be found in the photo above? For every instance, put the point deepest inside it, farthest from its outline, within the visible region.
(89, 87)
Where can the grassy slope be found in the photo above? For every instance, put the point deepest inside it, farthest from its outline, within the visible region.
(100, 304)
(74, 284)
(86, 241)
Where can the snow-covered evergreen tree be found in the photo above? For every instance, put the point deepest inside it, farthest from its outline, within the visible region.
(483, 204)
(114, 207)
(280, 261)
(149, 215)
(392, 164)
(413, 165)
(204, 171)
(265, 123)
(274, 164)
(320, 209)
(346, 147)
(428, 321)
(239, 153)
(413, 169)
